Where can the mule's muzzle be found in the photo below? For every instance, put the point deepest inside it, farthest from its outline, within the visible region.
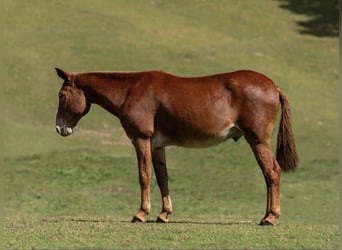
(64, 130)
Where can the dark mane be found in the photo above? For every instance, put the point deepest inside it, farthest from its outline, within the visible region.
(114, 76)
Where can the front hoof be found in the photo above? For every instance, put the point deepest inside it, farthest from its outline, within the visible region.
(266, 223)
(137, 220)
(162, 218)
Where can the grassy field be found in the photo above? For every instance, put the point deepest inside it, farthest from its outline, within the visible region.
(81, 191)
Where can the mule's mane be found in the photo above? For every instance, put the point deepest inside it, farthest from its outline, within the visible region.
(131, 75)
(114, 75)
(120, 76)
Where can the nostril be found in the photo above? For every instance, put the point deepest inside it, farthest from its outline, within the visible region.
(58, 129)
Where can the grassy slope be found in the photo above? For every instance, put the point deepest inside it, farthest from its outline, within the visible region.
(92, 174)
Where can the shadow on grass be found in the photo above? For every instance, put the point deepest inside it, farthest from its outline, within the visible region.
(109, 220)
(210, 223)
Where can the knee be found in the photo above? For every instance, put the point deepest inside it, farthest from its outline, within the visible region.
(144, 181)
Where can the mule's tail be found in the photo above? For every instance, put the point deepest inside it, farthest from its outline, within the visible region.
(286, 153)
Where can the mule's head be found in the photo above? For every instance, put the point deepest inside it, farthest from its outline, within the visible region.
(73, 104)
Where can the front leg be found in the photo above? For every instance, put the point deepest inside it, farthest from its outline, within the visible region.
(159, 165)
(143, 151)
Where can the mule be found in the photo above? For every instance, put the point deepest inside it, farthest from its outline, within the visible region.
(157, 109)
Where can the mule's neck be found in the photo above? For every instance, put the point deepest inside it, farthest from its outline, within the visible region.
(107, 89)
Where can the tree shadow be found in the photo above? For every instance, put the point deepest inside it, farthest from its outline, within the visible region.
(323, 16)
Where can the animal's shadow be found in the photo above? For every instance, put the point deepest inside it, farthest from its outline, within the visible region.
(109, 220)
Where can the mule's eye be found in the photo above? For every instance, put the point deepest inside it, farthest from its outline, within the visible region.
(61, 96)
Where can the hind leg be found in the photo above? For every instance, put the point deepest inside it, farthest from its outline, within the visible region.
(257, 118)
(271, 171)
(258, 138)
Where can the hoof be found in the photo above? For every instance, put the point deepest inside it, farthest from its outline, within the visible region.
(137, 220)
(160, 220)
(163, 218)
(266, 223)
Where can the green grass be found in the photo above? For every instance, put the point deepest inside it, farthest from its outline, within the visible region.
(85, 198)
(105, 232)
(81, 191)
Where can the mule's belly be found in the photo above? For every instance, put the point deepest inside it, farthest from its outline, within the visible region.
(202, 118)
(195, 139)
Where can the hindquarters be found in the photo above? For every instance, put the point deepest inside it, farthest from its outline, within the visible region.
(259, 102)
(257, 99)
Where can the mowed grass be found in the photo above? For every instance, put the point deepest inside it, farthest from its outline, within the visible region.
(86, 199)
(114, 233)
(81, 191)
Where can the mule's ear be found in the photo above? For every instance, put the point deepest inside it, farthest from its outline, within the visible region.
(62, 74)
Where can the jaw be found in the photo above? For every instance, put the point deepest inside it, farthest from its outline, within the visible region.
(64, 130)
